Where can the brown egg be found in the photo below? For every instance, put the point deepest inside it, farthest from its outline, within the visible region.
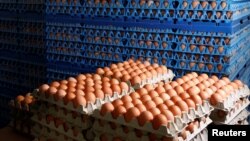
(164, 96)
(51, 91)
(184, 95)
(204, 95)
(171, 92)
(141, 107)
(179, 81)
(136, 101)
(169, 103)
(196, 81)
(196, 98)
(155, 111)
(117, 102)
(148, 87)
(43, 88)
(142, 91)
(118, 111)
(99, 94)
(182, 105)
(100, 71)
(148, 74)
(131, 113)
(90, 97)
(55, 84)
(215, 99)
(145, 98)
(157, 100)
(190, 103)
(190, 83)
(175, 110)
(106, 108)
(239, 83)
(185, 86)
(174, 84)
(226, 80)
(89, 89)
(107, 91)
(191, 127)
(234, 85)
(201, 86)
(193, 90)
(20, 98)
(169, 115)
(222, 93)
(200, 78)
(158, 121)
(160, 89)
(149, 104)
(176, 98)
(128, 104)
(60, 94)
(162, 107)
(153, 94)
(185, 78)
(116, 88)
(79, 77)
(69, 97)
(80, 100)
(145, 117)
(134, 95)
(126, 98)
(136, 80)
(167, 86)
(215, 78)
(179, 89)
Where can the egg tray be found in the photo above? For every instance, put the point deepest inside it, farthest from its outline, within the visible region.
(131, 135)
(59, 129)
(90, 107)
(229, 102)
(165, 77)
(81, 121)
(230, 115)
(241, 118)
(43, 133)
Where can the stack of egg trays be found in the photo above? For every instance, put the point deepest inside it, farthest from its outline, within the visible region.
(226, 57)
(70, 7)
(227, 111)
(128, 130)
(213, 16)
(8, 5)
(244, 74)
(75, 123)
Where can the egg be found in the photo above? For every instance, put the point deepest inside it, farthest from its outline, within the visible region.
(196, 98)
(149, 87)
(90, 97)
(234, 85)
(117, 102)
(185, 86)
(136, 101)
(128, 104)
(136, 80)
(171, 92)
(174, 84)
(107, 91)
(153, 94)
(69, 97)
(162, 107)
(116, 88)
(141, 107)
(99, 94)
(167, 86)
(239, 83)
(43, 88)
(193, 90)
(215, 78)
(145, 98)
(149, 104)
(131, 113)
(145, 117)
(79, 100)
(118, 111)
(106, 108)
(169, 103)
(215, 99)
(55, 84)
(204, 95)
(201, 86)
(191, 127)
(157, 100)
(175, 98)
(89, 89)
(126, 98)
(222, 93)
(142, 91)
(206, 84)
(182, 105)
(179, 89)
(135, 95)
(164, 96)
(175, 110)
(158, 121)
(160, 89)
(190, 103)
(213, 4)
(20, 98)
(51, 91)
(60, 94)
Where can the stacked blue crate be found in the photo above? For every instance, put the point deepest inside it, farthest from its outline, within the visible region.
(64, 36)
(22, 50)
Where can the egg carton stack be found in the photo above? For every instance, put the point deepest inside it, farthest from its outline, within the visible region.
(178, 110)
(64, 39)
(22, 49)
(209, 34)
(21, 113)
(65, 106)
(233, 110)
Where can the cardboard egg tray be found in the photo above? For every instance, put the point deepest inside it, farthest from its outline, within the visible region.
(43, 134)
(229, 102)
(172, 128)
(165, 77)
(80, 121)
(90, 107)
(106, 128)
(59, 129)
(240, 119)
(229, 115)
